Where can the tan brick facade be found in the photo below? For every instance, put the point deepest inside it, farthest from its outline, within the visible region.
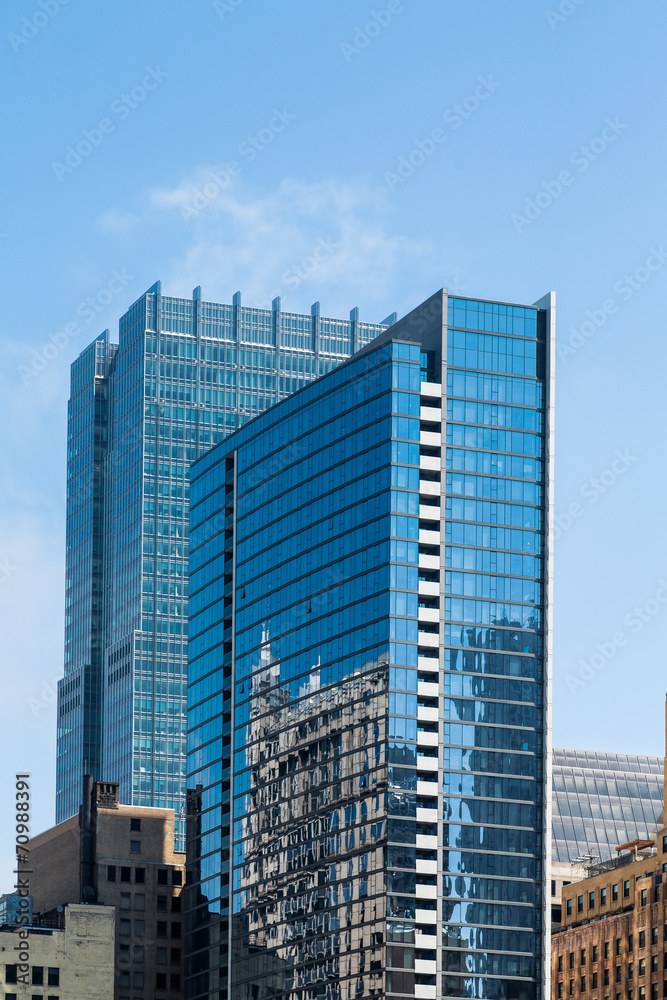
(135, 869)
(613, 939)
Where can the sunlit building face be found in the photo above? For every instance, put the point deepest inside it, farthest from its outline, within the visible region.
(184, 374)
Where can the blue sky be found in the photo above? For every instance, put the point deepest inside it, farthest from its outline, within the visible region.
(501, 150)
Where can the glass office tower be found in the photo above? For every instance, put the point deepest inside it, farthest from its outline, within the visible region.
(184, 374)
(369, 697)
(601, 800)
(80, 691)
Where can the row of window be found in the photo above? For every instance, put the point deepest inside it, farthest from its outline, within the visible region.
(644, 896)
(486, 487)
(486, 415)
(138, 981)
(641, 992)
(125, 874)
(494, 439)
(492, 513)
(139, 900)
(138, 949)
(494, 463)
(495, 388)
(140, 878)
(36, 996)
(483, 315)
(606, 947)
(41, 976)
(641, 969)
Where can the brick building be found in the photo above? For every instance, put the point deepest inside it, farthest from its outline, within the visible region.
(613, 939)
(120, 856)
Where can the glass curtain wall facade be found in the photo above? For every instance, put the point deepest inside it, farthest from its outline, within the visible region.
(184, 374)
(80, 691)
(601, 800)
(369, 683)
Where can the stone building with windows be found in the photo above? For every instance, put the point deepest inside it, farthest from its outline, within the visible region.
(73, 961)
(613, 939)
(123, 857)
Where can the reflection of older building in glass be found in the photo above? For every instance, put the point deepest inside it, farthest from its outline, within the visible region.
(368, 696)
(298, 770)
(601, 800)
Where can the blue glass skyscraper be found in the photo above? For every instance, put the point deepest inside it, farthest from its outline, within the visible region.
(184, 374)
(80, 691)
(369, 698)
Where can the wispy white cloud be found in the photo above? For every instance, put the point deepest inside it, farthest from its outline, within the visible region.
(329, 240)
(116, 222)
(325, 240)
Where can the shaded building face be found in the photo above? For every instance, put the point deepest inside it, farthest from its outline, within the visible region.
(80, 692)
(184, 375)
(367, 690)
